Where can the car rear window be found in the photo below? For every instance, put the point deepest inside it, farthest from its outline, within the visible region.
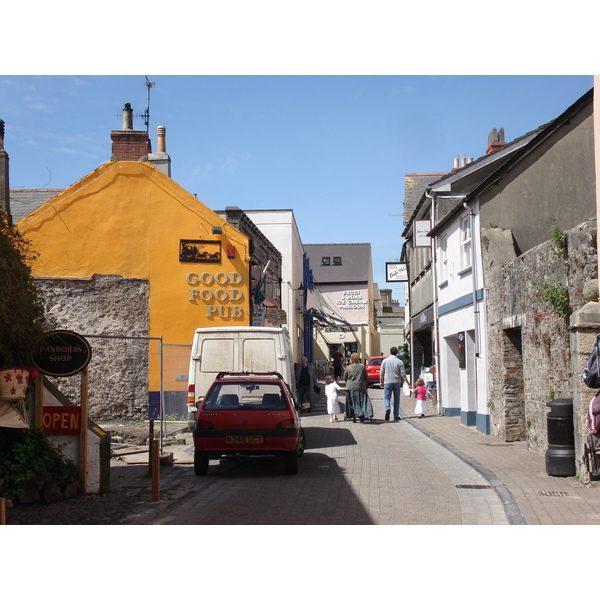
(375, 362)
(245, 396)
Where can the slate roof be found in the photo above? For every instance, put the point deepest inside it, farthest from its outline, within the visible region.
(23, 202)
(415, 185)
(355, 262)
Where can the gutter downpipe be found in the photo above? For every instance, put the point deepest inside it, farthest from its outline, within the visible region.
(475, 307)
(474, 279)
(436, 354)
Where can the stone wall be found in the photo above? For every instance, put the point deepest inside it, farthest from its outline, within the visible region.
(117, 308)
(529, 300)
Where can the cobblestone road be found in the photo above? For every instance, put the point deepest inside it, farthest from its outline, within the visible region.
(377, 472)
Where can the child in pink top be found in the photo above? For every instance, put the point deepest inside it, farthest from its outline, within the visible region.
(421, 393)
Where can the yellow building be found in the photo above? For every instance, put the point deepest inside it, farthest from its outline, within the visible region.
(129, 220)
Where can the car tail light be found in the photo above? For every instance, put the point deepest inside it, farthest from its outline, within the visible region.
(202, 424)
(191, 394)
(287, 424)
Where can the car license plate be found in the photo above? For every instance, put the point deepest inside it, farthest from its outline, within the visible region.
(244, 439)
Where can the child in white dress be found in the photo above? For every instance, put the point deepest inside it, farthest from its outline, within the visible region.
(333, 406)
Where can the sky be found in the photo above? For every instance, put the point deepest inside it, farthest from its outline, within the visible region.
(333, 148)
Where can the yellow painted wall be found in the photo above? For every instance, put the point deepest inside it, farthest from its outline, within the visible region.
(127, 218)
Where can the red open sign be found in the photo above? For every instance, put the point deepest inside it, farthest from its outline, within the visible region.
(61, 420)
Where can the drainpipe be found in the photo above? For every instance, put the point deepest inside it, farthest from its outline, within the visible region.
(474, 279)
(436, 354)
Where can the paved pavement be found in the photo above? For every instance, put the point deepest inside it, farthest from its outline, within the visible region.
(466, 477)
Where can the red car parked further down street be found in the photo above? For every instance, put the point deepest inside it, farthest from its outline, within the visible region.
(373, 367)
(248, 413)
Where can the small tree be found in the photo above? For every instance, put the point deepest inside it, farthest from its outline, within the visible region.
(21, 305)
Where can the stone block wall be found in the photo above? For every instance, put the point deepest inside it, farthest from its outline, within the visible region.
(117, 308)
(529, 301)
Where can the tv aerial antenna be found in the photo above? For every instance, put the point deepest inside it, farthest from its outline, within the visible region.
(149, 85)
(146, 114)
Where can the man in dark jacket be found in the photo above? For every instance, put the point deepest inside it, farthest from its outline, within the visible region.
(306, 381)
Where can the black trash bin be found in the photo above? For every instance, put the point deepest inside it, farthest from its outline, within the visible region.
(560, 456)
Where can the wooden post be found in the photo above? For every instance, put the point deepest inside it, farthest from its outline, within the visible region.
(39, 401)
(83, 435)
(2, 511)
(155, 471)
(150, 442)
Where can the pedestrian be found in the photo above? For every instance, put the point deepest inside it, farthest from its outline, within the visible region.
(338, 363)
(306, 381)
(421, 393)
(358, 403)
(391, 375)
(331, 390)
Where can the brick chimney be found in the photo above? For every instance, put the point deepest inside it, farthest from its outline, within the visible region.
(4, 185)
(128, 144)
(495, 140)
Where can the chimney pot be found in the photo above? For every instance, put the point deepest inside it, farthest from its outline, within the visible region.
(161, 139)
(127, 117)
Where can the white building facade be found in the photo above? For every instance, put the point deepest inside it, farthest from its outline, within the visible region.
(279, 226)
(462, 361)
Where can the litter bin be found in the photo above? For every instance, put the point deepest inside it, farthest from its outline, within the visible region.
(560, 456)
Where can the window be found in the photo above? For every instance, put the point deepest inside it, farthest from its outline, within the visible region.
(325, 261)
(337, 260)
(444, 258)
(465, 243)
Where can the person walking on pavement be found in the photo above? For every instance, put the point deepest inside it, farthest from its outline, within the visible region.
(391, 375)
(421, 393)
(358, 403)
(306, 381)
(338, 362)
(331, 390)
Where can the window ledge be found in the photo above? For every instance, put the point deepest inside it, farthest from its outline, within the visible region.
(443, 284)
(465, 271)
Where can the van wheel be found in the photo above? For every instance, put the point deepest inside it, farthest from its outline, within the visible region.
(291, 463)
(301, 443)
(200, 462)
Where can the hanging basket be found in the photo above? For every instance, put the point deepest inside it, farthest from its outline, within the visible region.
(13, 384)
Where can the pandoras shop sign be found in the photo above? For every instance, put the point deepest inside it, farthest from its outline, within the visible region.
(220, 293)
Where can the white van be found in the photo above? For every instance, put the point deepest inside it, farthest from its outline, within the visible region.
(219, 349)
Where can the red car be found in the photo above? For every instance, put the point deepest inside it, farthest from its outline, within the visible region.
(373, 367)
(248, 413)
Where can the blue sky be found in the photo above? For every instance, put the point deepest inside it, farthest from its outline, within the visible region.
(335, 149)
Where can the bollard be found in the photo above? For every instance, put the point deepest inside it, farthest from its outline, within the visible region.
(2, 511)
(155, 471)
(560, 456)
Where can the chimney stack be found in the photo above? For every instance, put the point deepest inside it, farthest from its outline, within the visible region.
(4, 185)
(495, 140)
(128, 144)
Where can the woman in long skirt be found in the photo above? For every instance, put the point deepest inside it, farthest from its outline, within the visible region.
(358, 403)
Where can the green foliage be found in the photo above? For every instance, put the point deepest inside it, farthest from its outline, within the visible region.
(28, 460)
(406, 357)
(555, 294)
(21, 305)
(559, 239)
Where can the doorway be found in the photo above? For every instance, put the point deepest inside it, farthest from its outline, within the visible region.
(513, 385)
